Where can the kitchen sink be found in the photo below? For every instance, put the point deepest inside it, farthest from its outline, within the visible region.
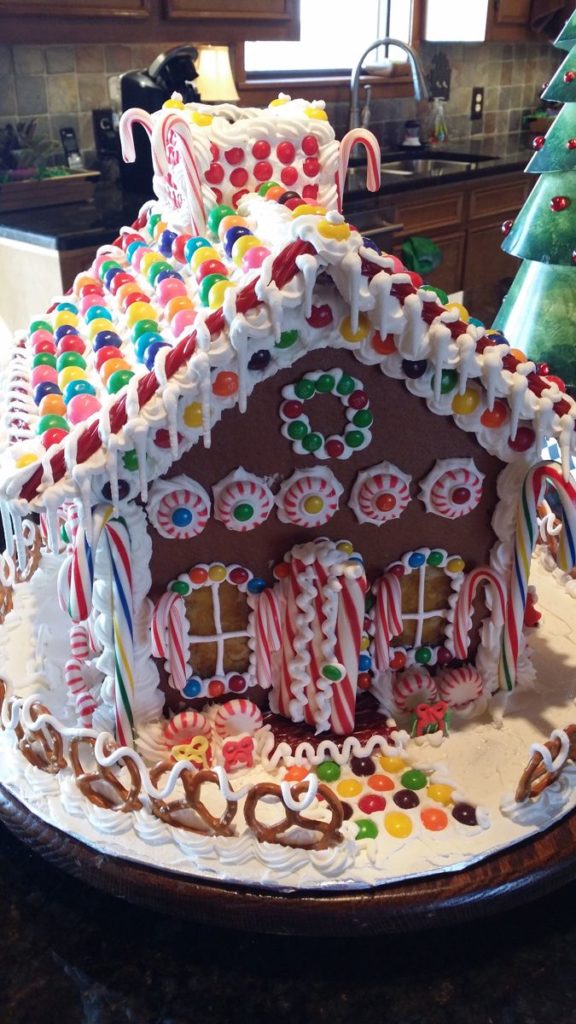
(430, 166)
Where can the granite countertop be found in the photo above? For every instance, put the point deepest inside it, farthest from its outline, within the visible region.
(71, 955)
(80, 225)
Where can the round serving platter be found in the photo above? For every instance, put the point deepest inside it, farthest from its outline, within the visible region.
(520, 873)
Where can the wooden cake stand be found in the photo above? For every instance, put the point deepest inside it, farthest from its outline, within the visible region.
(521, 873)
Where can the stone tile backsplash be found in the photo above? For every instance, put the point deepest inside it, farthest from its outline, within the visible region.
(61, 85)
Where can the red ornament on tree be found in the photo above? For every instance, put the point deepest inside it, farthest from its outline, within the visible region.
(559, 203)
(538, 142)
(507, 227)
(571, 144)
(569, 76)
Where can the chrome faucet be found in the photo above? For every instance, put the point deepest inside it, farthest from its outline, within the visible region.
(421, 91)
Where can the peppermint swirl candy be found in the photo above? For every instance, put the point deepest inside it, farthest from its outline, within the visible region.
(309, 497)
(380, 494)
(242, 501)
(452, 489)
(178, 508)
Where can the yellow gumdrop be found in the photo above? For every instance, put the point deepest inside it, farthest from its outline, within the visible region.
(280, 101)
(65, 316)
(216, 293)
(217, 573)
(201, 119)
(317, 113)
(192, 415)
(397, 824)
(98, 324)
(173, 104)
(158, 229)
(313, 504)
(26, 460)
(345, 546)
(140, 311)
(340, 232)
(70, 373)
(241, 246)
(465, 404)
(365, 643)
(440, 793)
(307, 208)
(359, 334)
(460, 309)
(392, 764)
(455, 565)
(206, 252)
(148, 259)
(349, 787)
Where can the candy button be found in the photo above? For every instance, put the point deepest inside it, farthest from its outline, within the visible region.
(392, 764)
(414, 779)
(261, 149)
(77, 387)
(192, 415)
(362, 766)
(238, 177)
(349, 788)
(130, 460)
(242, 245)
(455, 565)
(81, 407)
(371, 802)
(111, 366)
(397, 824)
(328, 771)
(464, 405)
(70, 373)
(206, 252)
(44, 375)
(440, 793)
(496, 416)
(406, 799)
(137, 311)
(51, 422)
(311, 167)
(193, 688)
(217, 572)
(225, 384)
(65, 316)
(380, 783)
(44, 359)
(54, 436)
(465, 814)
(52, 405)
(310, 145)
(262, 171)
(289, 175)
(70, 359)
(434, 819)
(359, 334)
(366, 829)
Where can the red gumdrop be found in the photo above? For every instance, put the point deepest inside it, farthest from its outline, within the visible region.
(310, 145)
(261, 149)
(334, 448)
(234, 155)
(288, 175)
(211, 267)
(310, 192)
(214, 174)
(285, 152)
(320, 316)
(239, 176)
(523, 441)
(311, 167)
(263, 170)
(178, 248)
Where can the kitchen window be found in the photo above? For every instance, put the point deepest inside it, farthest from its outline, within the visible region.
(333, 35)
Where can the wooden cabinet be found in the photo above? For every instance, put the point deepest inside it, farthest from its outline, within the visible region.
(509, 21)
(465, 220)
(150, 21)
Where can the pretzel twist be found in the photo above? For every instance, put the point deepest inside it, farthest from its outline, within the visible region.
(192, 782)
(330, 834)
(122, 798)
(43, 748)
(536, 777)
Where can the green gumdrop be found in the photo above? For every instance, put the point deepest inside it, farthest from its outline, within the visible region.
(287, 338)
(414, 779)
(367, 829)
(328, 771)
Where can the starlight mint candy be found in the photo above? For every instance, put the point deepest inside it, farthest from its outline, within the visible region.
(287, 501)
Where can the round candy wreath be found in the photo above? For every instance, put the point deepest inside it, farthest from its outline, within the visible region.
(296, 425)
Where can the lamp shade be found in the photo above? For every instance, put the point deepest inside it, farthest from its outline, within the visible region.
(215, 82)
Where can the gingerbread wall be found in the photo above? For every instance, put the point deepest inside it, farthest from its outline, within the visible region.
(404, 432)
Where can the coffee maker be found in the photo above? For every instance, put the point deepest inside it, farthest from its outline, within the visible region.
(170, 72)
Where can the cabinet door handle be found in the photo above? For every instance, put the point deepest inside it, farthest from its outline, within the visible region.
(381, 227)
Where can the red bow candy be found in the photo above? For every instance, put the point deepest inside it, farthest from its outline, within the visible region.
(238, 753)
(430, 718)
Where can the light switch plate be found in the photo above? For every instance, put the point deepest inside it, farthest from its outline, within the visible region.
(477, 105)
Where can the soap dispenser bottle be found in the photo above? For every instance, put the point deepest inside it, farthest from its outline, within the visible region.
(439, 129)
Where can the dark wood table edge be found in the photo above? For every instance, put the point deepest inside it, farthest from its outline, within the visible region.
(501, 882)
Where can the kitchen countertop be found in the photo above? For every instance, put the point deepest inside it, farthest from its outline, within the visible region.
(80, 225)
(71, 955)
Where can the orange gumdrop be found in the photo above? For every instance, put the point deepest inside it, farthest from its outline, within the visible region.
(226, 384)
(110, 367)
(296, 773)
(274, 192)
(198, 576)
(176, 305)
(52, 405)
(383, 346)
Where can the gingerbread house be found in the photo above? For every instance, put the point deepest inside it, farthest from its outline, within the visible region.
(275, 464)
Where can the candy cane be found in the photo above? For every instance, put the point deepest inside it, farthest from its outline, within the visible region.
(349, 622)
(131, 117)
(465, 606)
(63, 584)
(370, 143)
(177, 124)
(268, 636)
(168, 637)
(118, 543)
(83, 700)
(388, 618)
(79, 642)
(524, 542)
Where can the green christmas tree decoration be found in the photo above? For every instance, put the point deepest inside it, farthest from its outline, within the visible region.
(538, 315)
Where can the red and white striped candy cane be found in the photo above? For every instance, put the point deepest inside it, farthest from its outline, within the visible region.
(168, 637)
(83, 700)
(63, 584)
(296, 637)
(465, 606)
(268, 636)
(131, 117)
(175, 123)
(351, 606)
(387, 618)
(370, 142)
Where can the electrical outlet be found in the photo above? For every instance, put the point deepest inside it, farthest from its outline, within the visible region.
(477, 105)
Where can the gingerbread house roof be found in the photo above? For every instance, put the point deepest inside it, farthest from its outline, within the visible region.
(192, 343)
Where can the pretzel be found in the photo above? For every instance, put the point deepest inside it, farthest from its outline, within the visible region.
(127, 799)
(169, 810)
(6, 601)
(536, 777)
(43, 747)
(330, 834)
(33, 554)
